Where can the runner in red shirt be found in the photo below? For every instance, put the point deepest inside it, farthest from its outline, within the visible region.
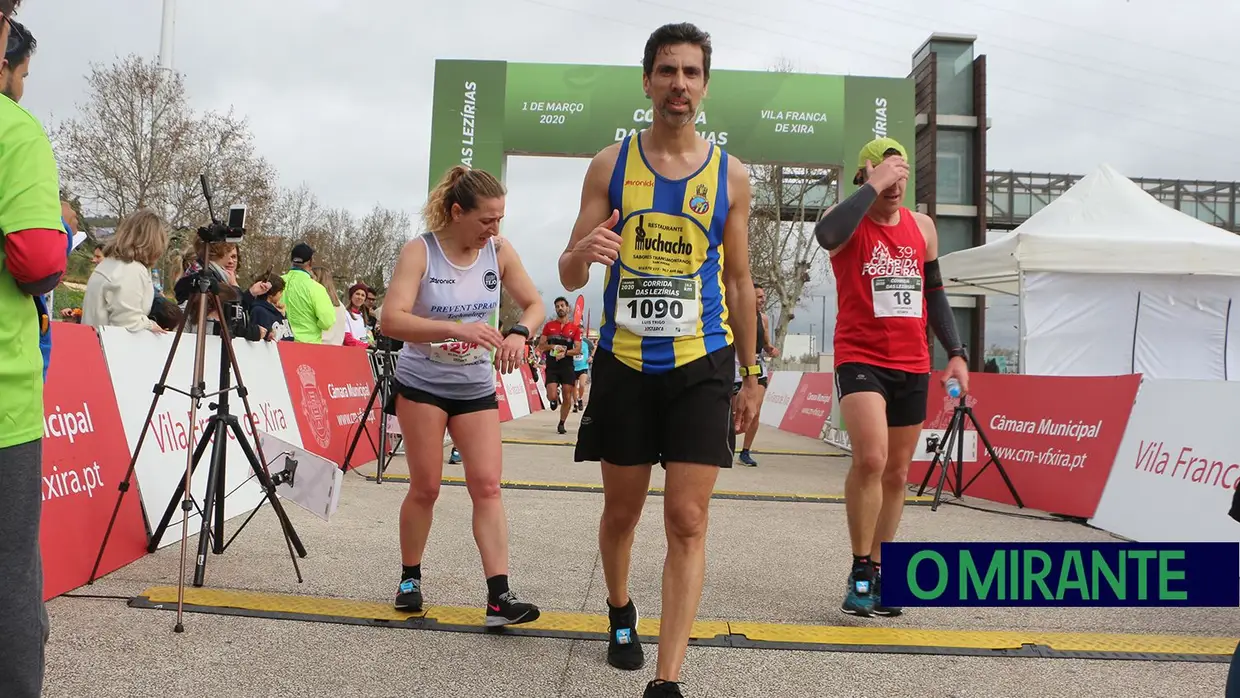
(885, 260)
(561, 341)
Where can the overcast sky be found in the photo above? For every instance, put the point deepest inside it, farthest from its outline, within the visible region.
(338, 94)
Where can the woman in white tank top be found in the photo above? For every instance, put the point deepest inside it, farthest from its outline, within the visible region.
(443, 303)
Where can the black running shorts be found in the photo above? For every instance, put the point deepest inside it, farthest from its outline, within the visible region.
(451, 407)
(561, 372)
(682, 416)
(905, 393)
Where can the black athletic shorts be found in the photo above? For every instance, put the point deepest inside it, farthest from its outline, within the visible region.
(579, 373)
(450, 406)
(906, 393)
(683, 416)
(560, 372)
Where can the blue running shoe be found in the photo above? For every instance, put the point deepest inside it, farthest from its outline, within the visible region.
(879, 608)
(454, 458)
(747, 459)
(859, 600)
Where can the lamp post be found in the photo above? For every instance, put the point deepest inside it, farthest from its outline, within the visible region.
(167, 33)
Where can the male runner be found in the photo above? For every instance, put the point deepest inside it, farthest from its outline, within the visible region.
(561, 341)
(581, 374)
(763, 346)
(885, 260)
(658, 210)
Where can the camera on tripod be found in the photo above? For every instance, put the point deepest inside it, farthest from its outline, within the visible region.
(215, 231)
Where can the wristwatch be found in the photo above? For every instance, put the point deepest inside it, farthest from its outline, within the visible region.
(958, 352)
(518, 329)
(751, 371)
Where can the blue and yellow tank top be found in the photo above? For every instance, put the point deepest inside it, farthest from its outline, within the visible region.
(663, 299)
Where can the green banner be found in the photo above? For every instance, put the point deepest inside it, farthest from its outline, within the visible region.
(577, 110)
(467, 120)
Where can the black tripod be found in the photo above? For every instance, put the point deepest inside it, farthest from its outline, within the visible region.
(384, 365)
(943, 458)
(203, 300)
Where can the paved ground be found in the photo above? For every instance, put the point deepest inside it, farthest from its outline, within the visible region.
(768, 561)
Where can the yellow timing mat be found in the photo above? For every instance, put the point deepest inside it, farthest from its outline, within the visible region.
(736, 634)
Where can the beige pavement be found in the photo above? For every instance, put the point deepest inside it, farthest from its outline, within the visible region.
(768, 561)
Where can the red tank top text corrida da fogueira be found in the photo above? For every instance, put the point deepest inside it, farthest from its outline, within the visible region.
(881, 307)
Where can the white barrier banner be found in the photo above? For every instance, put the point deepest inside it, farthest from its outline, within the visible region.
(135, 362)
(514, 389)
(779, 392)
(1177, 468)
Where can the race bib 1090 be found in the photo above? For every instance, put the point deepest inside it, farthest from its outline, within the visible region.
(659, 306)
(897, 296)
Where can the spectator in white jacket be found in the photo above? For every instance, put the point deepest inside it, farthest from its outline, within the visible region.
(120, 291)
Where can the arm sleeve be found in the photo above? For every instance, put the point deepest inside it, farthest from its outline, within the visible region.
(125, 300)
(36, 259)
(324, 311)
(837, 226)
(939, 310)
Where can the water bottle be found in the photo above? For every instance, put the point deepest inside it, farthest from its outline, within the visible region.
(953, 388)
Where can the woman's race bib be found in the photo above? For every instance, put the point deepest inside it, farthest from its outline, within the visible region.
(458, 353)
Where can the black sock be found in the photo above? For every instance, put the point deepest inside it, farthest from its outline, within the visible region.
(411, 571)
(496, 586)
(862, 561)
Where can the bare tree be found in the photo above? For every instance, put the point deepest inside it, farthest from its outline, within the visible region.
(784, 254)
(138, 144)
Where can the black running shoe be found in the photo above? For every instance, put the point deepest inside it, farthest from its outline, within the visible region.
(662, 689)
(561, 428)
(510, 611)
(624, 646)
(409, 595)
(879, 608)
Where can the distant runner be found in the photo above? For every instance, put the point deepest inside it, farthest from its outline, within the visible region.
(561, 342)
(764, 346)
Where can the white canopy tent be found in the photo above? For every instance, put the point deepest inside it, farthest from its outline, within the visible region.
(1111, 281)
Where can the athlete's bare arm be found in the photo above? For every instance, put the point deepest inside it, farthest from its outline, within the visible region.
(520, 287)
(938, 310)
(742, 301)
(595, 211)
(398, 320)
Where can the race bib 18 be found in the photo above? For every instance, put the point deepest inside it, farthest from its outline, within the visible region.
(659, 306)
(896, 296)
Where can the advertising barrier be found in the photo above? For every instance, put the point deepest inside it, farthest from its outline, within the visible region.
(1055, 436)
(779, 391)
(810, 406)
(1178, 467)
(329, 387)
(135, 362)
(85, 458)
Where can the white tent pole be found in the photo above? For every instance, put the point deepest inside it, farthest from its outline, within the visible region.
(1020, 320)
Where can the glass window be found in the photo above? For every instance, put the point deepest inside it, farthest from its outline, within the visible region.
(955, 234)
(955, 78)
(955, 167)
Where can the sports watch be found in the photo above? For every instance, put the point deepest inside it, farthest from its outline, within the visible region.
(751, 371)
(518, 329)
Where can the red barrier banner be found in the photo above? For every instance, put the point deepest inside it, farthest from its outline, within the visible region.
(85, 458)
(531, 389)
(329, 387)
(810, 406)
(501, 395)
(1056, 436)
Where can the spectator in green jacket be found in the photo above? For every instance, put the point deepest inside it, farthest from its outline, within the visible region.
(32, 260)
(306, 304)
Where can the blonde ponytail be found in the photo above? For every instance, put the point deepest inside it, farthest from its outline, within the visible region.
(460, 186)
